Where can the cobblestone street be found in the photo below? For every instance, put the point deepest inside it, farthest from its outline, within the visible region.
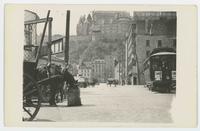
(113, 104)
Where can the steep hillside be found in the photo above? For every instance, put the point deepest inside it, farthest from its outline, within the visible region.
(81, 48)
(86, 50)
(100, 49)
(77, 45)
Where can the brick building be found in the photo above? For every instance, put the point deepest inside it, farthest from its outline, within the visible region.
(149, 30)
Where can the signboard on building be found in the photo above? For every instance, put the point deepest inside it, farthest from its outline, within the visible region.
(173, 75)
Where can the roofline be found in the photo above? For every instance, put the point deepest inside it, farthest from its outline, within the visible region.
(33, 13)
(163, 53)
(159, 54)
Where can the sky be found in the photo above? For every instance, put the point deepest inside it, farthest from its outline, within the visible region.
(59, 20)
(59, 16)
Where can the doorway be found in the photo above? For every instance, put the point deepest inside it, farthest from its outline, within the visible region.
(135, 80)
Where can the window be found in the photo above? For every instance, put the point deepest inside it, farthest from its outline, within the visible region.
(62, 46)
(102, 21)
(147, 53)
(148, 27)
(111, 20)
(134, 26)
(147, 43)
(159, 43)
(174, 43)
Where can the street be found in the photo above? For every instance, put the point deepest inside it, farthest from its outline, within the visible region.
(103, 103)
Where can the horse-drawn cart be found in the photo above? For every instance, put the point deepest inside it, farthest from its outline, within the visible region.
(36, 82)
(32, 91)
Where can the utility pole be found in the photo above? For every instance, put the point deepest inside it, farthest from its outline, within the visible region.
(66, 50)
(49, 40)
(42, 39)
(135, 51)
(126, 72)
(119, 71)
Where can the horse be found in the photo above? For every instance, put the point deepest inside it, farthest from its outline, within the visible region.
(54, 86)
(57, 85)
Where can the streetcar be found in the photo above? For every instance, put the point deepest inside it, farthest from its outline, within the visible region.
(160, 70)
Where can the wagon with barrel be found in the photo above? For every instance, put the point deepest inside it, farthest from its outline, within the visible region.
(37, 83)
(32, 91)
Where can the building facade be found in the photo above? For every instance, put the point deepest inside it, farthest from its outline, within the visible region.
(149, 30)
(30, 31)
(108, 25)
(130, 57)
(117, 72)
(73, 68)
(98, 70)
(109, 66)
(84, 26)
(85, 72)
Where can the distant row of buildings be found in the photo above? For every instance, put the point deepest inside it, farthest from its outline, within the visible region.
(99, 69)
(93, 70)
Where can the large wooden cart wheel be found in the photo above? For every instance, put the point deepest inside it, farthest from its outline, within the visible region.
(31, 98)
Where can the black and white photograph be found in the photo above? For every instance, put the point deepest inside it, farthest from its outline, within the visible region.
(95, 64)
(116, 62)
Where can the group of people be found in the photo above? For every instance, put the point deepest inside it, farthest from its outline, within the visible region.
(115, 82)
